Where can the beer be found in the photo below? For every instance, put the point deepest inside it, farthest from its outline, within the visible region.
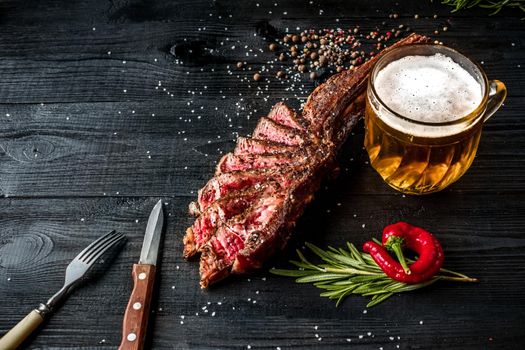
(425, 108)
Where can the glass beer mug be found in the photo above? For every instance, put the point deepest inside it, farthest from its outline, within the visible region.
(425, 108)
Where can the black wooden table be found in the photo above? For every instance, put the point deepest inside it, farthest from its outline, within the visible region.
(107, 106)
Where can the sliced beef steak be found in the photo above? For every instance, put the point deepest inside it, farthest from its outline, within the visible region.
(220, 186)
(256, 146)
(236, 232)
(219, 212)
(231, 162)
(284, 115)
(230, 183)
(269, 130)
(219, 254)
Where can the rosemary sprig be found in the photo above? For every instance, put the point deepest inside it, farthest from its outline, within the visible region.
(348, 271)
(495, 5)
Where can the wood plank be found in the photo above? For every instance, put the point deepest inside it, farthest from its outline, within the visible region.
(79, 164)
(73, 65)
(55, 229)
(72, 149)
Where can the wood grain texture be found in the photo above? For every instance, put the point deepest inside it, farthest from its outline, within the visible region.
(135, 323)
(79, 156)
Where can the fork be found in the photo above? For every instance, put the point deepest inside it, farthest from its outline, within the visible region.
(76, 269)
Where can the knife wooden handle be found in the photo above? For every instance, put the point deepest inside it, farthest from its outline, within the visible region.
(12, 339)
(136, 316)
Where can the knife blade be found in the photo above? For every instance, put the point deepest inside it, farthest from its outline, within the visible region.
(135, 322)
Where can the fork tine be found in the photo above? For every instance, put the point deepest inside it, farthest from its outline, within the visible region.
(86, 250)
(100, 244)
(90, 260)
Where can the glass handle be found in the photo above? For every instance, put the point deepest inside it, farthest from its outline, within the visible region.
(497, 95)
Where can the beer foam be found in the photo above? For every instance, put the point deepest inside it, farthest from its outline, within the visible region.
(427, 89)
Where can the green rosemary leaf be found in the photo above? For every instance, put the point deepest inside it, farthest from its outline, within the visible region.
(495, 5)
(380, 298)
(359, 279)
(377, 241)
(347, 261)
(320, 277)
(345, 252)
(342, 297)
(301, 256)
(303, 265)
(316, 250)
(355, 253)
(347, 271)
(331, 286)
(333, 250)
(410, 287)
(337, 293)
(291, 273)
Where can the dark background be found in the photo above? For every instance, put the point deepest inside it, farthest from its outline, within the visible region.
(79, 157)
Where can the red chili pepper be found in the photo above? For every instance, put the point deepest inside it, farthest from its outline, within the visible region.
(423, 243)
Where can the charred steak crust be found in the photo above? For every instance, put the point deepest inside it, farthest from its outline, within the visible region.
(231, 162)
(246, 145)
(284, 115)
(247, 211)
(269, 130)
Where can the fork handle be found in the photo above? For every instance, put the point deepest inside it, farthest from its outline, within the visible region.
(12, 339)
(136, 316)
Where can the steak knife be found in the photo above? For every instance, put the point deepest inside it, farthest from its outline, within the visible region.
(135, 322)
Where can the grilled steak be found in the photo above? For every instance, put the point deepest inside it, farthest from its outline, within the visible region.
(231, 162)
(270, 130)
(248, 209)
(284, 115)
(256, 146)
(220, 212)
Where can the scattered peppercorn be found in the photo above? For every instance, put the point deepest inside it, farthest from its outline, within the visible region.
(257, 77)
(239, 65)
(319, 50)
